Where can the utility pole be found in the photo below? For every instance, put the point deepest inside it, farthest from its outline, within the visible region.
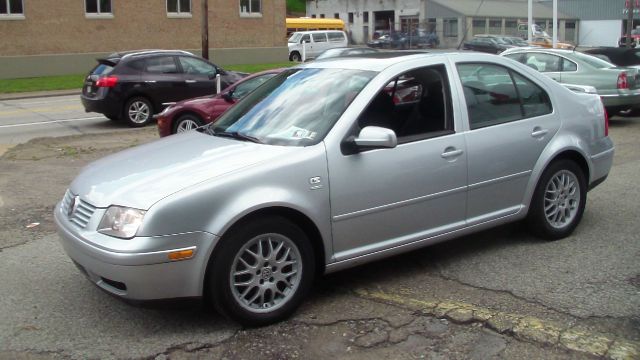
(205, 29)
(530, 21)
(555, 24)
(629, 21)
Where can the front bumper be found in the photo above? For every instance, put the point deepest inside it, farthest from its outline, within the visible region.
(137, 268)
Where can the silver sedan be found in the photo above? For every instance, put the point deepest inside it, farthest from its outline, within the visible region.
(329, 165)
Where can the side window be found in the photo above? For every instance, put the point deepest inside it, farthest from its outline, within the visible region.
(495, 95)
(568, 65)
(162, 65)
(535, 101)
(336, 36)
(490, 95)
(517, 57)
(415, 105)
(248, 86)
(196, 67)
(543, 62)
(305, 38)
(319, 37)
(136, 64)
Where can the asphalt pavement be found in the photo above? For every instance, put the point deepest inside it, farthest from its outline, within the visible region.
(497, 294)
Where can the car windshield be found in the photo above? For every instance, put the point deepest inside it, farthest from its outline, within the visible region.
(593, 61)
(295, 37)
(295, 108)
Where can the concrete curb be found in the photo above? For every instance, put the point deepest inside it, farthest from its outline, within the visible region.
(38, 94)
(525, 328)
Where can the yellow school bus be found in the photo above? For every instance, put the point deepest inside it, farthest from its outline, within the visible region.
(305, 24)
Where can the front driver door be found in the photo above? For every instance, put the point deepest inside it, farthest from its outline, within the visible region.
(199, 77)
(391, 197)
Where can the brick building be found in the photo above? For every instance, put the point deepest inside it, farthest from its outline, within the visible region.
(39, 37)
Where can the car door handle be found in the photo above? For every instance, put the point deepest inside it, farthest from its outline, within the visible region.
(539, 132)
(451, 153)
(190, 81)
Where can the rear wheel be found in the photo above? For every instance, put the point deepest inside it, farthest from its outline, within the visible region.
(138, 112)
(187, 122)
(558, 201)
(261, 271)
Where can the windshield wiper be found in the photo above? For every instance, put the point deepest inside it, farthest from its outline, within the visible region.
(236, 135)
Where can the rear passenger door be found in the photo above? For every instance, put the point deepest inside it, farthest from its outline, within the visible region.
(510, 124)
(162, 80)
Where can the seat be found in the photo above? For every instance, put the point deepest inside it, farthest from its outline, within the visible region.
(379, 112)
(428, 115)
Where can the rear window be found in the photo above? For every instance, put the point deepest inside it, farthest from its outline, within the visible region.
(102, 69)
(162, 65)
(593, 61)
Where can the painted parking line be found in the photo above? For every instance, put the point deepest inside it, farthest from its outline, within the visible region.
(52, 122)
(525, 328)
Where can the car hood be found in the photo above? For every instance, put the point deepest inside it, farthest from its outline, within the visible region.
(143, 175)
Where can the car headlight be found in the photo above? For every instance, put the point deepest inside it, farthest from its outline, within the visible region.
(121, 222)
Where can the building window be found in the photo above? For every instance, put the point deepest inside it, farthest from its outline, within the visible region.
(336, 16)
(350, 18)
(321, 16)
(98, 9)
(479, 26)
(313, 16)
(450, 27)
(495, 26)
(250, 8)
(11, 9)
(365, 17)
(179, 8)
(511, 27)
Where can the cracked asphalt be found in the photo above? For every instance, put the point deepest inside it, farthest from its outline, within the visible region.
(497, 294)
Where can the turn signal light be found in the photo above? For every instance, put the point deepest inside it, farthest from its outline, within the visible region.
(180, 255)
(108, 81)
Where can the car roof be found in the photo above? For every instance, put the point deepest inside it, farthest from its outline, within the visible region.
(118, 56)
(383, 59)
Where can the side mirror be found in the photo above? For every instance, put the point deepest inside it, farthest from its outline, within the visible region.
(375, 137)
(228, 96)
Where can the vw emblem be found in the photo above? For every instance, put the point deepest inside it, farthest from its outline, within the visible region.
(73, 205)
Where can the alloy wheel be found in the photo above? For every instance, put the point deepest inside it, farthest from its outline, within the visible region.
(561, 199)
(265, 273)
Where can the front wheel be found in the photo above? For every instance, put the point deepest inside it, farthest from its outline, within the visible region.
(558, 201)
(261, 271)
(295, 56)
(187, 122)
(138, 112)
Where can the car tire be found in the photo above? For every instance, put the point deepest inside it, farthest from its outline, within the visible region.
(186, 122)
(558, 201)
(295, 56)
(138, 112)
(273, 259)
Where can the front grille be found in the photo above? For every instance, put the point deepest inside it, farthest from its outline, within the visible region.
(82, 212)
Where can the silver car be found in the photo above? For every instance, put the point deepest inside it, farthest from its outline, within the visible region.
(330, 165)
(619, 87)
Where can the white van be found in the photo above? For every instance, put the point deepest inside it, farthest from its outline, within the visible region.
(317, 41)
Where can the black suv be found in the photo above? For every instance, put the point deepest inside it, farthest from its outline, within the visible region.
(133, 86)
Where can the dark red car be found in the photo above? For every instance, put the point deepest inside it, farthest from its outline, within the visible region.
(189, 114)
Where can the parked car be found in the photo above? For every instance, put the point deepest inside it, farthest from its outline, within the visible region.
(635, 39)
(617, 56)
(315, 43)
(505, 40)
(132, 86)
(486, 44)
(547, 42)
(394, 40)
(189, 114)
(318, 170)
(619, 87)
(346, 51)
